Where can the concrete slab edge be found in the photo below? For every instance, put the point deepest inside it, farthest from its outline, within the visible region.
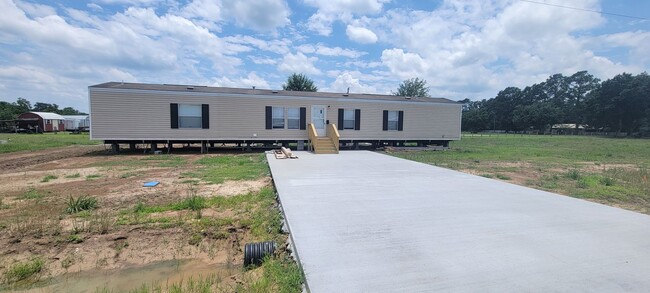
(292, 242)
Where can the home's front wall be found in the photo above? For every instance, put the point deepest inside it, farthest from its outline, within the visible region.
(118, 114)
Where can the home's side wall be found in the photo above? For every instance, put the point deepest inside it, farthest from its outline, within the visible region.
(145, 115)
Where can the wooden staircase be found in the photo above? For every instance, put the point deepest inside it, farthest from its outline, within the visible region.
(324, 144)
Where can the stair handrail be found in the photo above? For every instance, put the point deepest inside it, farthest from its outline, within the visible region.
(313, 135)
(333, 134)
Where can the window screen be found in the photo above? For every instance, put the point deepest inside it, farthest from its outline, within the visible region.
(189, 116)
(348, 119)
(393, 120)
(278, 117)
(293, 118)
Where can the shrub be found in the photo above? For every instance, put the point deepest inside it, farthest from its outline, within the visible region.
(82, 203)
(607, 181)
(24, 270)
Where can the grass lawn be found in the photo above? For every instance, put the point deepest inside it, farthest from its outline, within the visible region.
(607, 170)
(31, 142)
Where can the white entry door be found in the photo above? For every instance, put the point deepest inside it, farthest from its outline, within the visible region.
(318, 114)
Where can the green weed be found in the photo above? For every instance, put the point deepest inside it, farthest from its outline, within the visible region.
(75, 175)
(93, 176)
(75, 238)
(503, 177)
(82, 203)
(24, 270)
(31, 193)
(573, 174)
(48, 178)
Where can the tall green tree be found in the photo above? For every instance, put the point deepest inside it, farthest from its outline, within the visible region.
(621, 103)
(539, 115)
(45, 107)
(299, 82)
(413, 87)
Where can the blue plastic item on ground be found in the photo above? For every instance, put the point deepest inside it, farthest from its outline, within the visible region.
(151, 183)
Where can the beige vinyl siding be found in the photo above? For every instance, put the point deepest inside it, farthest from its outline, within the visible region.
(145, 115)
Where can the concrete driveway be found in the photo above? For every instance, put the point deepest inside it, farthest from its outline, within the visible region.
(367, 222)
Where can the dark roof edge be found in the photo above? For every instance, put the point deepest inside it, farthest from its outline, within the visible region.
(227, 90)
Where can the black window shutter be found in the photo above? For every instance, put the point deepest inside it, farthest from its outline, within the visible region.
(385, 119)
(341, 113)
(357, 119)
(269, 116)
(303, 118)
(173, 110)
(400, 121)
(205, 116)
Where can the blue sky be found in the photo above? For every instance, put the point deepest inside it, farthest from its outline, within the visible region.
(51, 51)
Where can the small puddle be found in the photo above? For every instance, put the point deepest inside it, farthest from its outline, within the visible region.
(163, 274)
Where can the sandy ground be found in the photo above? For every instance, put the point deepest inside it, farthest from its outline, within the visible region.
(39, 227)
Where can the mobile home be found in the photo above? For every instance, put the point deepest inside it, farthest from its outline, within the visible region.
(167, 114)
(76, 122)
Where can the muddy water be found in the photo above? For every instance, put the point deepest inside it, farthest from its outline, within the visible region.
(161, 274)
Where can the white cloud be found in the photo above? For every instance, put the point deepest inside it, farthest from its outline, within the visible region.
(321, 49)
(207, 13)
(321, 23)
(259, 15)
(346, 80)
(332, 10)
(251, 80)
(130, 2)
(361, 35)
(36, 10)
(261, 60)
(298, 63)
(359, 7)
(94, 6)
(278, 46)
(404, 65)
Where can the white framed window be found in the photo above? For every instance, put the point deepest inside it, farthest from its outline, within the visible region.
(293, 118)
(348, 119)
(189, 116)
(277, 118)
(393, 120)
(48, 121)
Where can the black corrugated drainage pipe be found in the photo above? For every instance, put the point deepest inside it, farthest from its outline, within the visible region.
(254, 253)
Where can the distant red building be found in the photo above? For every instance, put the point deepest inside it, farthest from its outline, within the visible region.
(43, 121)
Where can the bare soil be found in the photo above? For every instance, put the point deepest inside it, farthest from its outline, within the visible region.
(33, 221)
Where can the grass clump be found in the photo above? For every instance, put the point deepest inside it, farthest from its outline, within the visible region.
(82, 203)
(48, 178)
(24, 270)
(280, 274)
(75, 238)
(71, 176)
(93, 176)
(573, 174)
(503, 177)
(31, 193)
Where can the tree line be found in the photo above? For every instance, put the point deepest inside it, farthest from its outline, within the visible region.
(9, 111)
(620, 104)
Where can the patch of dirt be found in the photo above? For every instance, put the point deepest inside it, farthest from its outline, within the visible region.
(119, 188)
(594, 167)
(29, 159)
